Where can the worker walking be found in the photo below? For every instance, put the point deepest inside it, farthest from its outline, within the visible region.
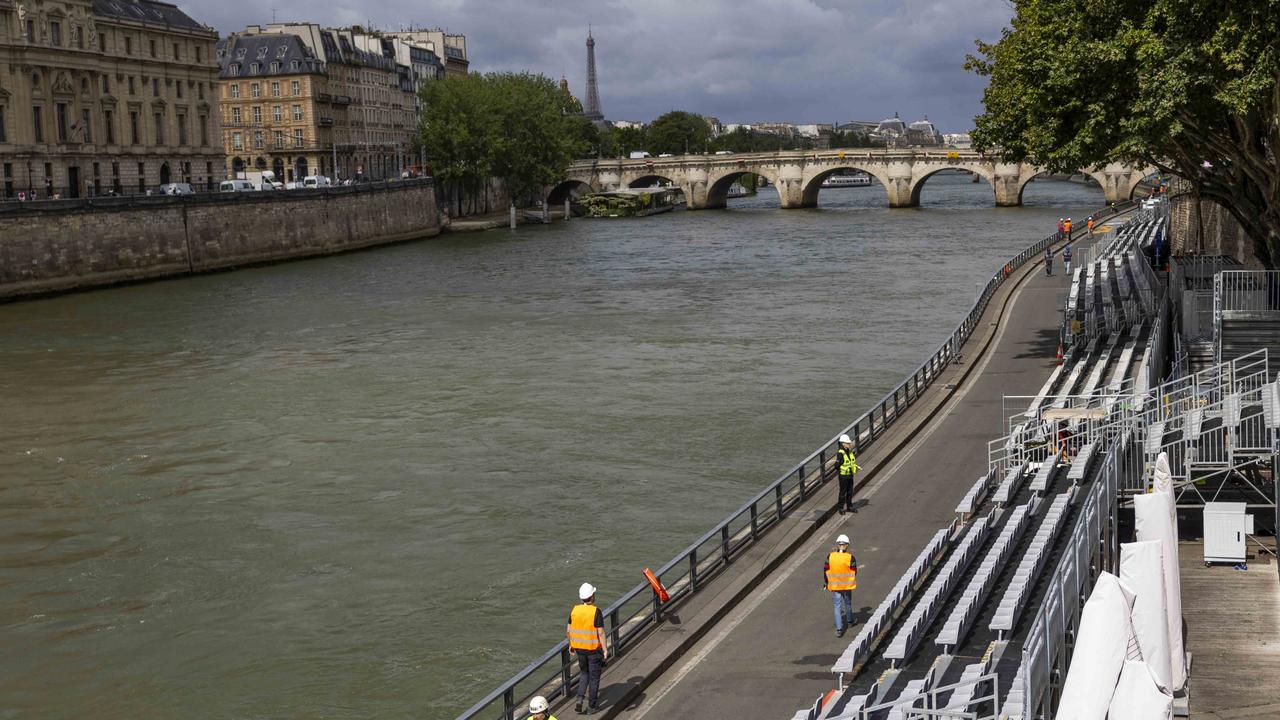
(848, 468)
(1090, 225)
(840, 576)
(586, 639)
(1066, 227)
(1062, 222)
(1048, 261)
(538, 709)
(1066, 258)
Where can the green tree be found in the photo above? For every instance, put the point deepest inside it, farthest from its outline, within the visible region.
(1188, 86)
(458, 131)
(678, 132)
(537, 140)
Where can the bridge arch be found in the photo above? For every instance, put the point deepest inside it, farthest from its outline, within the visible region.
(568, 190)
(651, 180)
(812, 186)
(719, 182)
(918, 180)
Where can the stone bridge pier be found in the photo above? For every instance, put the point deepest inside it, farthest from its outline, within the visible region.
(798, 175)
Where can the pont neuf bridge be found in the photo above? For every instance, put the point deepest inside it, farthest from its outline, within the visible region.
(798, 175)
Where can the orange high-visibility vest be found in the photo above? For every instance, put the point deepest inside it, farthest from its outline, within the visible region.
(1066, 227)
(840, 572)
(582, 628)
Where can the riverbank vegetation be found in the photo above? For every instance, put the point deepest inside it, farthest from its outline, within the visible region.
(518, 128)
(1190, 87)
(679, 132)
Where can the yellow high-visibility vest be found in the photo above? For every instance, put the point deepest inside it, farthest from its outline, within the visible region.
(848, 462)
(840, 572)
(582, 628)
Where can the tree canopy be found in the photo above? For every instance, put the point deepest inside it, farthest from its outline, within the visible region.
(678, 133)
(517, 127)
(1188, 86)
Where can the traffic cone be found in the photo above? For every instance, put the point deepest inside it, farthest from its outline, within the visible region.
(1059, 361)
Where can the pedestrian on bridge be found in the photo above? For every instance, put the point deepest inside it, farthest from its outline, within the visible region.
(1061, 225)
(586, 640)
(1048, 261)
(840, 576)
(848, 468)
(1066, 258)
(1090, 227)
(1066, 227)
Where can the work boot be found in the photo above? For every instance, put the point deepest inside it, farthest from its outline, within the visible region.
(578, 706)
(840, 633)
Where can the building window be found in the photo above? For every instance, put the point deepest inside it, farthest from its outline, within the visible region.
(177, 52)
(204, 131)
(179, 86)
(142, 177)
(134, 135)
(199, 53)
(297, 137)
(153, 48)
(275, 67)
(275, 89)
(257, 139)
(279, 139)
(86, 127)
(277, 114)
(297, 112)
(235, 116)
(297, 88)
(255, 90)
(159, 128)
(253, 68)
(295, 65)
(55, 34)
(102, 42)
(235, 91)
(182, 130)
(133, 90)
(37, 119)
(233, 69)
(200, 90)
(31, 31)
(79, 34)
(128, 45)
(237, 141)
(60, 121)
(106, 84)
(108, 124)
(155, 87)
(257, 115)
(4, 137)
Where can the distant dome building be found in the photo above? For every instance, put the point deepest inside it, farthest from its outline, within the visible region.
(923, 133)
(892, 127)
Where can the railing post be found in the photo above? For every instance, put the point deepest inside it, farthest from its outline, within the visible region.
(509, 703)
(777, 492)
(724, 542)
(755, 527)
(803, 487)
(613, 629)
(566, 670)
(693, 565)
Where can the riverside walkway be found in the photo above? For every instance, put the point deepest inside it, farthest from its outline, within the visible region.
(764, 632)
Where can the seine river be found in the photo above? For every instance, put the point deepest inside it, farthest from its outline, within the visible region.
(370, 485)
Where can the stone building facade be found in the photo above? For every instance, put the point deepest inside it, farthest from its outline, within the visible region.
(105, 96)
(368, 95)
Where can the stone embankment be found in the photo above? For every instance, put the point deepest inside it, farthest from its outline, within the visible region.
(62, 245)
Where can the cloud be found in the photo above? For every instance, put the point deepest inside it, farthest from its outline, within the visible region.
(742, 61)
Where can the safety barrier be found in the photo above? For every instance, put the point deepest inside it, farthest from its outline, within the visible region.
(627, 619)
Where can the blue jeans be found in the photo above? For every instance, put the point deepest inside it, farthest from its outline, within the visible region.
(843, 600)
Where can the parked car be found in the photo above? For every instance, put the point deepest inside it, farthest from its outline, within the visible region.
(314, 181)
(724, 152)
(236, 186)
(176, 189)
(662, 155)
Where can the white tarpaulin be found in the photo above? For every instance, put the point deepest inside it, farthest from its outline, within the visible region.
(1101, 645)
(1137, 697)
(1154, 519)
(1142, 569)
(1161, 477)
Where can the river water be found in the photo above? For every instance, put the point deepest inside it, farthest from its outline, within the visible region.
(369, 485)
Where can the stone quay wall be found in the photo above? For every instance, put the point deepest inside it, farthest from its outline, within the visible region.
(62, 245)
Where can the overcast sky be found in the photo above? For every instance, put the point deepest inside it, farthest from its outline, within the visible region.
(739, 60)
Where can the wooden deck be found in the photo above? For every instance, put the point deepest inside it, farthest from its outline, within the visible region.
(1233, 634)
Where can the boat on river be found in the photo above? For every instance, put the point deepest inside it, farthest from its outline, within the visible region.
(839, 181)
(632, 202)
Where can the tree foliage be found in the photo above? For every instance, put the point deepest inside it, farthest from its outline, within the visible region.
(517, 127)
(1189, 86)
(678, 133)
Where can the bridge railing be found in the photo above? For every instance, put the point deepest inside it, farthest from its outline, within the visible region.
(628, 619)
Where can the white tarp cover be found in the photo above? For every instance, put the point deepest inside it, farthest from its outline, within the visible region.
(1142, 569)
(1101, 645)
(1154, 520)
(1137, 697)
(1161, 477)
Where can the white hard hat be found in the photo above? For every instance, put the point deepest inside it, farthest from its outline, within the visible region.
(842, 540)
(845, 439)
(538, 704)
(586, 591)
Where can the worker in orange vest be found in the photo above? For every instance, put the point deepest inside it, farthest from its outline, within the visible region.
(586, 640)
(1090, 227)
(840, 576)
(1066, 227)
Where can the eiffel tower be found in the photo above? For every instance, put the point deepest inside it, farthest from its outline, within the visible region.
(592, 110)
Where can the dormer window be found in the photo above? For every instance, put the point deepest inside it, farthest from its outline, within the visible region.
(275, 67)
(282, 51)
(233, 69)
(262, 53)
(295, 66)
(254, 68)
(240, 53)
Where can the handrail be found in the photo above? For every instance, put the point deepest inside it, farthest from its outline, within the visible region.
(683, 574)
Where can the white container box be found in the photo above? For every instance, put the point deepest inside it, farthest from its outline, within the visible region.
(1225, 527)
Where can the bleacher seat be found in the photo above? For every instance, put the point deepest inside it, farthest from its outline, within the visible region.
(1015, 595)
(1080, 464)
(966, 611)
(1009, 485)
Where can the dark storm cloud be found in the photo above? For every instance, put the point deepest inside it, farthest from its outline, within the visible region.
(742, 61)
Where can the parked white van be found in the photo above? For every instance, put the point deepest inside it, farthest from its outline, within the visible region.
(314, 181)
(236, 186)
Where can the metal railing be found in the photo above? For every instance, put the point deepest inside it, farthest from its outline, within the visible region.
(627, 619)
(1247, 291)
